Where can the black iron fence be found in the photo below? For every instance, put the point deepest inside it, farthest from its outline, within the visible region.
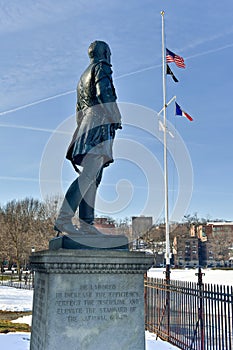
(189, 315)
(192, 316)
(23, 281)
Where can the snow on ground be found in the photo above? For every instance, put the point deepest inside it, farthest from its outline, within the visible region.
(21, 300)
(15, 341)
(224, 277)
(21, 341)
(24, 319)
(12, 299)
(157, 344)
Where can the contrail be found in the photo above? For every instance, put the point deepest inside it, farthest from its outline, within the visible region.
(71, 92)
(186, 58)
(34, 128)
(14, 178)
(138, 71)
(37, 102)
(118, 77)
(210, 51)
(31, 179)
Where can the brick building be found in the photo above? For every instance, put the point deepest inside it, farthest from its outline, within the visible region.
(209, 244)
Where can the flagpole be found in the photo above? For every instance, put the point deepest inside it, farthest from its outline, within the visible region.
(165, 152)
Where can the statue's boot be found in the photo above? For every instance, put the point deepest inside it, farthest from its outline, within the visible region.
(75, 194)
(66, 227)
(86, 212)
(64, 221)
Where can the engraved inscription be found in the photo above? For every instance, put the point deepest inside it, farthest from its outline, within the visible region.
(39, 316)
(96, 302)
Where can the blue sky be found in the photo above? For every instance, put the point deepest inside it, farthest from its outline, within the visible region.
(43, 53)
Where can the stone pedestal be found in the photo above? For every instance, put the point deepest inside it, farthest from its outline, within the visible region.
(89, 300)
(89, 241)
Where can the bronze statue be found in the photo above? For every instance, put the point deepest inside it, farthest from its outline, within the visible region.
(98, 118)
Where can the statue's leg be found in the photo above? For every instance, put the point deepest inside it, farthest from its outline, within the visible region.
(76, 192)
(67, 210)
(86, 207)
(87, 204)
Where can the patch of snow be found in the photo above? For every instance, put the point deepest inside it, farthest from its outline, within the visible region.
(12, 299)
(24, 319)
(15, 341)
(223, 277)
(152, 343)
(21, 341)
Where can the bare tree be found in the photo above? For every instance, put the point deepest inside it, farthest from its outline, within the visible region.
(25, 224)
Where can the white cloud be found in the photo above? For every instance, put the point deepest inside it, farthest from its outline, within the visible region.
(17, 15)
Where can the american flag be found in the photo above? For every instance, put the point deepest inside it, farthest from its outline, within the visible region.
(172, 57)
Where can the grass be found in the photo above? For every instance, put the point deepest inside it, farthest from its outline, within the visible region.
(222, 268)
(7, 326)
(5, 278)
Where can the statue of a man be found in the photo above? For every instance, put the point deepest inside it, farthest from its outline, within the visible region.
(98, 118)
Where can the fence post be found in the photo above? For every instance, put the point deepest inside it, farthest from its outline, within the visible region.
(167, 274)
(145, 300)
(201, 307)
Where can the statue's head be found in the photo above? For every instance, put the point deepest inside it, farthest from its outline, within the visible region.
(99, 50)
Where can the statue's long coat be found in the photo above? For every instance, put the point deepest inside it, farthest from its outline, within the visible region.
(97, 114)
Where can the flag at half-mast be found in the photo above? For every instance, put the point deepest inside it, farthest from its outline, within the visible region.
(170, 72)
(182, 113)
(172, 57)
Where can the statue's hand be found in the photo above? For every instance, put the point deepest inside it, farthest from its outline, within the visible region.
(114, 127)
(117, 126)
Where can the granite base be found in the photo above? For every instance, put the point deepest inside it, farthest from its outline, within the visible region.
(89, 300)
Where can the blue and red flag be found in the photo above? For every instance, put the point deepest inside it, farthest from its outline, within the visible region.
(182, 113)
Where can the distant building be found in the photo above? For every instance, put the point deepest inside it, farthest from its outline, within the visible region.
(140, 228)
(215, 229)
(141, 224)
(209, 244)
(106, 225)
(104, 222)
(192, 245)
(220, 243)
(186, 243)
